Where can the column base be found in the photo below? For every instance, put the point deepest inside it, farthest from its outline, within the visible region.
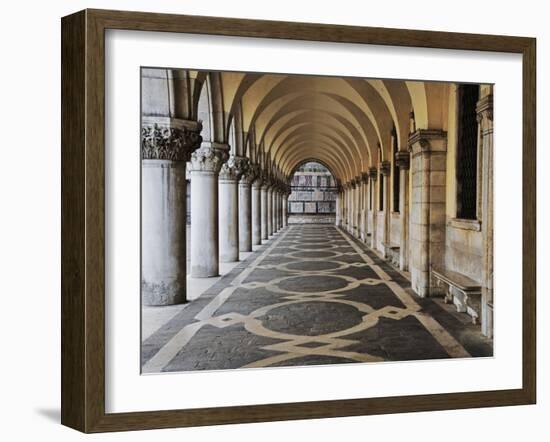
(159, 294)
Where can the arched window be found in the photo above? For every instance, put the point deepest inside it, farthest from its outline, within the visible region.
(466, 152)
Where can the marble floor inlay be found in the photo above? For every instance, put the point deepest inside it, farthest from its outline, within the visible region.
(311, 295)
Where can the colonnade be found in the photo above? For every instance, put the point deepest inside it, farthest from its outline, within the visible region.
(234, 206)
(413, 166)
(420, 236)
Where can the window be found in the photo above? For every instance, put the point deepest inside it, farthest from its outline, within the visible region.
(466, 154)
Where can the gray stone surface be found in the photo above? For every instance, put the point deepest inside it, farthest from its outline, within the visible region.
(329, 306)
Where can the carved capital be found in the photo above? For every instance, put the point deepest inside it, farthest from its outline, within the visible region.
(259, 177)
(385, 168)
(250, 174)
(365, 177)
(484, 109)
(403, 159)
(209, 157)
(169, 139)
(373, 173)
(426, 140)
(233, 168)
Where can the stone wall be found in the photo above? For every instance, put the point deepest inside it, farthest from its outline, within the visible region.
(380, 231)
(395, 229)
(463, 248)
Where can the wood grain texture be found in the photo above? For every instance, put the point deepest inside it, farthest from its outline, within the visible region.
(73, 257)
(83, 218)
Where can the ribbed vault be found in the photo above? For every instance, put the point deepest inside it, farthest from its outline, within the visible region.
(279, 121)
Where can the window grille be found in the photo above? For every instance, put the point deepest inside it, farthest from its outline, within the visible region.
(466, 159)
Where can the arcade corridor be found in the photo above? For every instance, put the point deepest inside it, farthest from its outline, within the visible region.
(311, 294)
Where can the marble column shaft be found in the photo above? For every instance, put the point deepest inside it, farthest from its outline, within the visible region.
(270, 211)
(245, 210)
(285, 210)
(257, 212)
(373, 175)
(205, 165)
(402, 159)
(485, 121)
(166, 145)
(264, 210)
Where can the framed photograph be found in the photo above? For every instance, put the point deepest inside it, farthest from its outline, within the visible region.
(267, 221)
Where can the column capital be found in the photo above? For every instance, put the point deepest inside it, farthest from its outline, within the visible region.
(427, 140)
(250, 175)
(373, 173)
(266, 182)
(385, 168)
(484, 110)
(169, 138)
(233, 168)
(358, 180)
(365, 177)
(209, 157)
(403, 159)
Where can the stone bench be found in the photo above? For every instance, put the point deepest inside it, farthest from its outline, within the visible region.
(392, 252)
(463, 292)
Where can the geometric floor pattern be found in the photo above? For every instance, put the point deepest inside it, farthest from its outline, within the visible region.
(312, 295)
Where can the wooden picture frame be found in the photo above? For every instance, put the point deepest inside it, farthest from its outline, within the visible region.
(83, 216)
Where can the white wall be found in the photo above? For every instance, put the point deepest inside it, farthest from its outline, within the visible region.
(30, 219)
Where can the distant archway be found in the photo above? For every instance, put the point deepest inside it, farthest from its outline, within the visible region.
(313, 193)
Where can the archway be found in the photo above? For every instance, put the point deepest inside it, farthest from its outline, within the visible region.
(312, 196)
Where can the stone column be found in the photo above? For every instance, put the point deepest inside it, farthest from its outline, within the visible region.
(205, 166)
(427, 235)
(274, 209)
(402, 159)
(352, 207)
(165, 149)
(257, 210)
(245, 209)
(338, 219)
(228, 181)
(279, 210)
(363, 203)
(270, 211)
(281, 201)
(385, 172)
(373, 175)
(345, 200)
(285, 209)
(264, 210)
(485, 121)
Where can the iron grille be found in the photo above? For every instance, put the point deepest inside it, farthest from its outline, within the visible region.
(466, 166)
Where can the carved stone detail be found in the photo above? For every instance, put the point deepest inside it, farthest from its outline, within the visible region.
(259, 177)
(385, 167)
(403, 159)
(209, 158)
(423, 138)
(365, 177)
(373, 173)
(160, 142)
(233, 168)
(484, 109)
(250, 174)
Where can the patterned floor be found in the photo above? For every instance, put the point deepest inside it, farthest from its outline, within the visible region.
(312, 295)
